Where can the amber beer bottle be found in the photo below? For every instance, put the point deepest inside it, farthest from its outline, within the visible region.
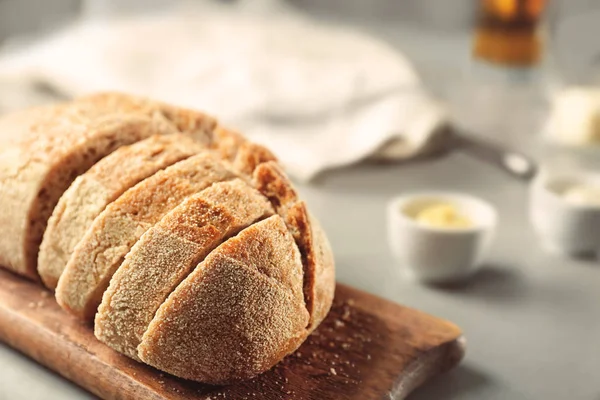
(507, 32)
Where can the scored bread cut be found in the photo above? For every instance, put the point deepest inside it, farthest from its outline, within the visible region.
(123, 222)
(237, 314)
(167, 253)
(317, 257)
(92, 191)
(54, 146)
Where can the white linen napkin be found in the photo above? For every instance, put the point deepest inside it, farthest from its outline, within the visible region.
(319, 96)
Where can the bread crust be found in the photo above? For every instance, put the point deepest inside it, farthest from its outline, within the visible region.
(195, 123)
(317, 257)
(243, 155)
(237, 314)
(92, 191)
(114, 232)
(167, 253)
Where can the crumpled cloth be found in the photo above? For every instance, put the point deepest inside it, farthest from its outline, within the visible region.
(319, 96)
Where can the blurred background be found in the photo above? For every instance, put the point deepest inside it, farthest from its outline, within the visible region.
(283, 60)
(513, 84)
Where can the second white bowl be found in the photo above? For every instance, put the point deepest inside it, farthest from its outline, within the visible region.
(562, 226)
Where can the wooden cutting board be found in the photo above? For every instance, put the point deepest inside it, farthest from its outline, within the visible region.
(367, 348)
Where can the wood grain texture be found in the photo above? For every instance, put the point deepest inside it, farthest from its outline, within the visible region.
(367, 348)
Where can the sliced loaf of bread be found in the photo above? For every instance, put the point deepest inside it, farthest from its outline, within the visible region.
(123, 222)
(211, 269)
(167, 253)
(92, 191)
(237, 314)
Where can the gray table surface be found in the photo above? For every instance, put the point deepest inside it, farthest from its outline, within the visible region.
(532, 319)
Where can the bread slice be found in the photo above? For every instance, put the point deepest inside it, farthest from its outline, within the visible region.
(123, 222)
(55, 145)
(91, 192)
(237, 314)
(167, 253)
(317, 257)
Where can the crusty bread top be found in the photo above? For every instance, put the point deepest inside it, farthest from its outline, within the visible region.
(196, 123)
(237, 314)
(243, 155)
(167, 253)
(123, 222)
(100, 185)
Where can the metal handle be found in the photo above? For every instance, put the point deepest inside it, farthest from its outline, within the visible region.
(512, 162)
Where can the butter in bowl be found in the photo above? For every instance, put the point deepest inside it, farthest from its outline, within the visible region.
(440, 237)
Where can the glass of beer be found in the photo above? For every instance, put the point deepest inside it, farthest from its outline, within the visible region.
(508, 32)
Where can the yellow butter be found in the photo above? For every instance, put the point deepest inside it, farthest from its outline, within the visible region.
(583, 195)
(443, 216)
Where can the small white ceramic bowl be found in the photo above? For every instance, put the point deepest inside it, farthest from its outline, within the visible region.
(439, 255)
(564, 227)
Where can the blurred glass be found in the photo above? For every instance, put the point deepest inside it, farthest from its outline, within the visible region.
(507, 32)
(572, 64)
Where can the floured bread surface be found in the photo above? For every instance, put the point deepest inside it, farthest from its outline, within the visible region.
(123, 222)
(237, 314)
(167, 253)
(91, 192)
(55, 145)
(195, 123)
(243, 155)
(317, 257)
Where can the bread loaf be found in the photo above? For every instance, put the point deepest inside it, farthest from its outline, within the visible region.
(205, 262)
(91, 192)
